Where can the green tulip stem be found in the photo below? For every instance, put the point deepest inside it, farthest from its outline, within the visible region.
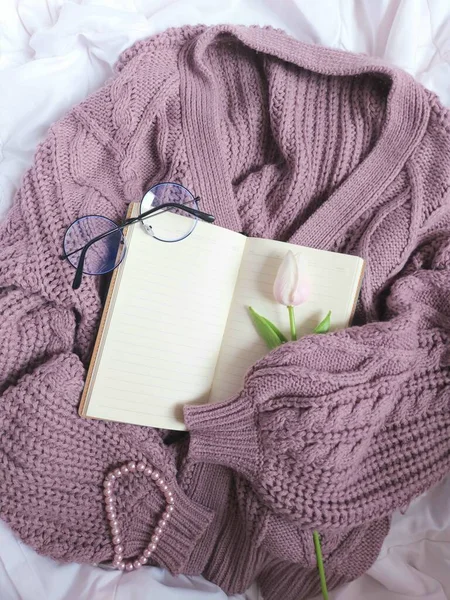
(292, 323)
(323, 580)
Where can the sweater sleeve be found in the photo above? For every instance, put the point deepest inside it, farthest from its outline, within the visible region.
(333, 430)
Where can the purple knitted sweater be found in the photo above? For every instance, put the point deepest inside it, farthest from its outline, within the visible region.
(281, 140)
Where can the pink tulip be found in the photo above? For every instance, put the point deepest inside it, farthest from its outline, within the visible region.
(292, 285)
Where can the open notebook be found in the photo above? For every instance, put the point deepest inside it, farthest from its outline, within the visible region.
(176, 328)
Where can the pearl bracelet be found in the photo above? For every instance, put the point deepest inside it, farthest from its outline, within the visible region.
(132, 468)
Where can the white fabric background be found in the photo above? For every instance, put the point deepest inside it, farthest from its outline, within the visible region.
(53, 53)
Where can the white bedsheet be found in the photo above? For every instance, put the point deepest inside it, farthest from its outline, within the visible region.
(52, 54)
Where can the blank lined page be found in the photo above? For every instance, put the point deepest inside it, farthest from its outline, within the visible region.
(335, 280)
(166, 324)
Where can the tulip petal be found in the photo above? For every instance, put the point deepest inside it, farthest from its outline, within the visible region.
(292, 284)
(302, 290)
(286, 279)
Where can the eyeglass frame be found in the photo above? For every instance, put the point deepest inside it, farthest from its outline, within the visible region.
(148, 213)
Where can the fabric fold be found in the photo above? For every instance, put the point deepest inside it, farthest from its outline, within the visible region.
(225, 433)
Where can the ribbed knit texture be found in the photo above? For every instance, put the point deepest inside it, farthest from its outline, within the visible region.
(281, 140)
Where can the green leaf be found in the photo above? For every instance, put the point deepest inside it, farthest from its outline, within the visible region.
(324, 325)
(267, 330)
(274, 328)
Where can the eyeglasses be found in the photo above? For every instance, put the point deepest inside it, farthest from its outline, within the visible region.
(95, 245)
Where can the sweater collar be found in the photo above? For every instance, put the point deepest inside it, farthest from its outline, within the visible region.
(404, 124)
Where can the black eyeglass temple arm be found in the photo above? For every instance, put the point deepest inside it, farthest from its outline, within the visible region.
(197, 213)
(193, 211)
(79, 271)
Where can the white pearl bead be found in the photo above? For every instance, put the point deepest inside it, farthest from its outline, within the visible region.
(148, 471)
(165, 516)
(170, 509)
(152, 547)
(118, 558)
(129, 566)
(143, 560)
(162, 523)
(117, 473)
(170, 500)
(137, 564)
(155, 475)
(165, 488)
(122, 566)
(118, 549)
(117, 540)
(109, 508)
(108, 484)
(132, 466)
(158, 531)
(147, 553)
(111, 477)
(115, 531)
(108, 492)
(140, 467)
(160, 482)
(155, 538)
(124, 470)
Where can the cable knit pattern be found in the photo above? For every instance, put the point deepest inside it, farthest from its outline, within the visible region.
(282, 140)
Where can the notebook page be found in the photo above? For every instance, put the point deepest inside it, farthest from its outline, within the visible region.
(167, 321)
(335, 280)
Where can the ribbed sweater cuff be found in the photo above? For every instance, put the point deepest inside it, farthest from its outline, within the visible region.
(188, 523)
(225, 434)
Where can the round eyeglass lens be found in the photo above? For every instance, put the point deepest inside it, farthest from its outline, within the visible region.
(102, 256)
(162, 225)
